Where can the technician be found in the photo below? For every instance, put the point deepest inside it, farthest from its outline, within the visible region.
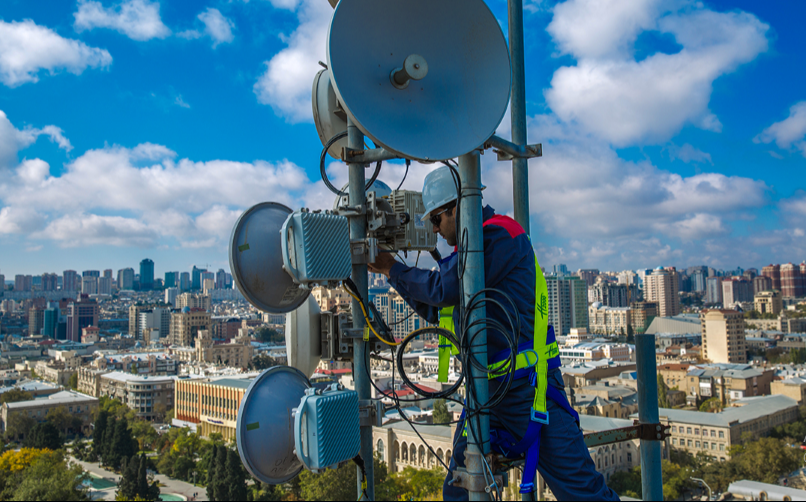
(534, 418)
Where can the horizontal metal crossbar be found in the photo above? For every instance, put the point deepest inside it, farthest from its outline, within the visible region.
(649, 432)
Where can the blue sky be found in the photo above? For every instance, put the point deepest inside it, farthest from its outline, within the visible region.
(674, 133)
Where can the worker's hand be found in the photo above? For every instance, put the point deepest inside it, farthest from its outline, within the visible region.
(383, 264)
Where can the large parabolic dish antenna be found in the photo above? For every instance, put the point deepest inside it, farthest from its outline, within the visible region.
(427, 79)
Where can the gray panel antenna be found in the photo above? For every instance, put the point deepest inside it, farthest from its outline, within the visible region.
(426, 79)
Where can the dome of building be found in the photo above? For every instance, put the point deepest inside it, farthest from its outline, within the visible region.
(596, 305)
(185, 310)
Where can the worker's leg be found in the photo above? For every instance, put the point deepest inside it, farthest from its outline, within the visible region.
(450, 492)
(565, 462)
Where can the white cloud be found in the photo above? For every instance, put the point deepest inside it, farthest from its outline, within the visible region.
(137, 19)
(624, 101)
(13, 140)
(788, 133)
(689, 154)
(286, 82)
(27, 49)
(19, 220)
(216, 26)
(81, 230)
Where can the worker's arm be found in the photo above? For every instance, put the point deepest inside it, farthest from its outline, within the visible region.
(427, 291)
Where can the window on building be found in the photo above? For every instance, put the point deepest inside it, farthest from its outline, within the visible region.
(674, 441)
(696, 444)
(674, 428)
(713, 433)
(689, 443)
(722, 447)
(688, 430)
(696, 432)
(721, 434)
(629, 457)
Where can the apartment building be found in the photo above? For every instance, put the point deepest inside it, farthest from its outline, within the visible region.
(723, 339)
(663, 287)
(149, 397)
(74, 403)
(769, 302)
(609, 320)
(714, 433)
(728, 382)
(794, 388)
(210, 404)
(186, 325)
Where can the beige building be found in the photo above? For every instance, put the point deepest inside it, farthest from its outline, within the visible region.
(74, 403)
(663, 287)
(643, 314)
(579, 374)
(236, 353)
(211, 404)
(328, 299)
(149, 397)
(193, 301)
(609, 320)
(609, 401)
(727, 382)
(674, 375)
(769, 302)
(723, 339)
(54, 371)
(89, 380)
(714, 433)
(186, 325)
(794, 388)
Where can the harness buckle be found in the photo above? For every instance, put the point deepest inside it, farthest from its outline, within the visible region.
(525, 353)
(539, 417)
(527, 488)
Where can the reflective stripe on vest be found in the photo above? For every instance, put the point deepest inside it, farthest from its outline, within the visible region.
(446, 348)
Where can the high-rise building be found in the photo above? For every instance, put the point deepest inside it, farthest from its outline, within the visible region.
(81, 314)
(50, 322)
(220, 279)
(612, 295)
(713, 290)
(643, 313)
(560, 270)
(157, 318)
(588, 275)
(170, 295)
(104, 285)
(196, 273)
(791, 281)
(193, 301)
(774, 273)
(91, 273)
(761, 283)
(146, 275)
(171, 279)
(108, 273)
(23, 282)
(723, 339)
(568, 303)
(698, 281)
(89, 285)
(207, 276)
(184, 281)
(735, 290)
(36, 321)
(662, 286)
(70, 281)
(185, 326)
(49, 282)
(126, 279)
(769, 302)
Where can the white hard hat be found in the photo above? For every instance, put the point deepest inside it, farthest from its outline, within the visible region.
(439, 188)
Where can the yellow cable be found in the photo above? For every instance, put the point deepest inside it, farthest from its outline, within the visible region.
(366, 318)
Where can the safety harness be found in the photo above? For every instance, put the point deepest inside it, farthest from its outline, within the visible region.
(533, 360)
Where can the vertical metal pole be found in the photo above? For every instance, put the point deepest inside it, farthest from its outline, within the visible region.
(648, 413)
(469, 235)
(520, 168)
(358, 231)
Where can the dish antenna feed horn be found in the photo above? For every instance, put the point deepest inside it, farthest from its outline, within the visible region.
(414, 67)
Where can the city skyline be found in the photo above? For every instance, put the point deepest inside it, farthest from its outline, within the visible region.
(180, 116)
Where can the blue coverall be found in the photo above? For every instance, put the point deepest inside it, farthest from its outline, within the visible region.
(509, 266)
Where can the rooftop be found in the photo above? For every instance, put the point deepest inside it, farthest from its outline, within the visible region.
(443, 431)
(128, 377)
(63, 397)
(751, 408)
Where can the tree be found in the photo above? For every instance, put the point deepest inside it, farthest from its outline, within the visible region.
(15, 396)
(211, 473)
(269, 335)
(711, 405)
(134, 484)
(339, 484)
(73, 382)
(47, 478)
(263, 362)
(236, 477)
(19, 426)
(663, 389)
(44, 436)
(63, 420)
(101, 427)
(441, 414)
(419, 484)
(630, 334)
(122, 444)
(220, 491)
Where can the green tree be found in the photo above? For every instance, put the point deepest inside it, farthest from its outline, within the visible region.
(712, 405)
(64, 421)
(220, 490)
(15, 396)
(100, 429)
(263, 362)
(236, 477)
(211, 473)
(419, 484)
(122, 444)
(73, 382)
(127, 486)
(144, 489)
(48, 478)
(340, 484)
(269, 335)
(663, 389)
(441, 414)
(630, 334)
(44, 436)
(19, 426)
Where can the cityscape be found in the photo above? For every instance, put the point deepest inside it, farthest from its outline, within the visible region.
(650, 153)
(178, 351)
